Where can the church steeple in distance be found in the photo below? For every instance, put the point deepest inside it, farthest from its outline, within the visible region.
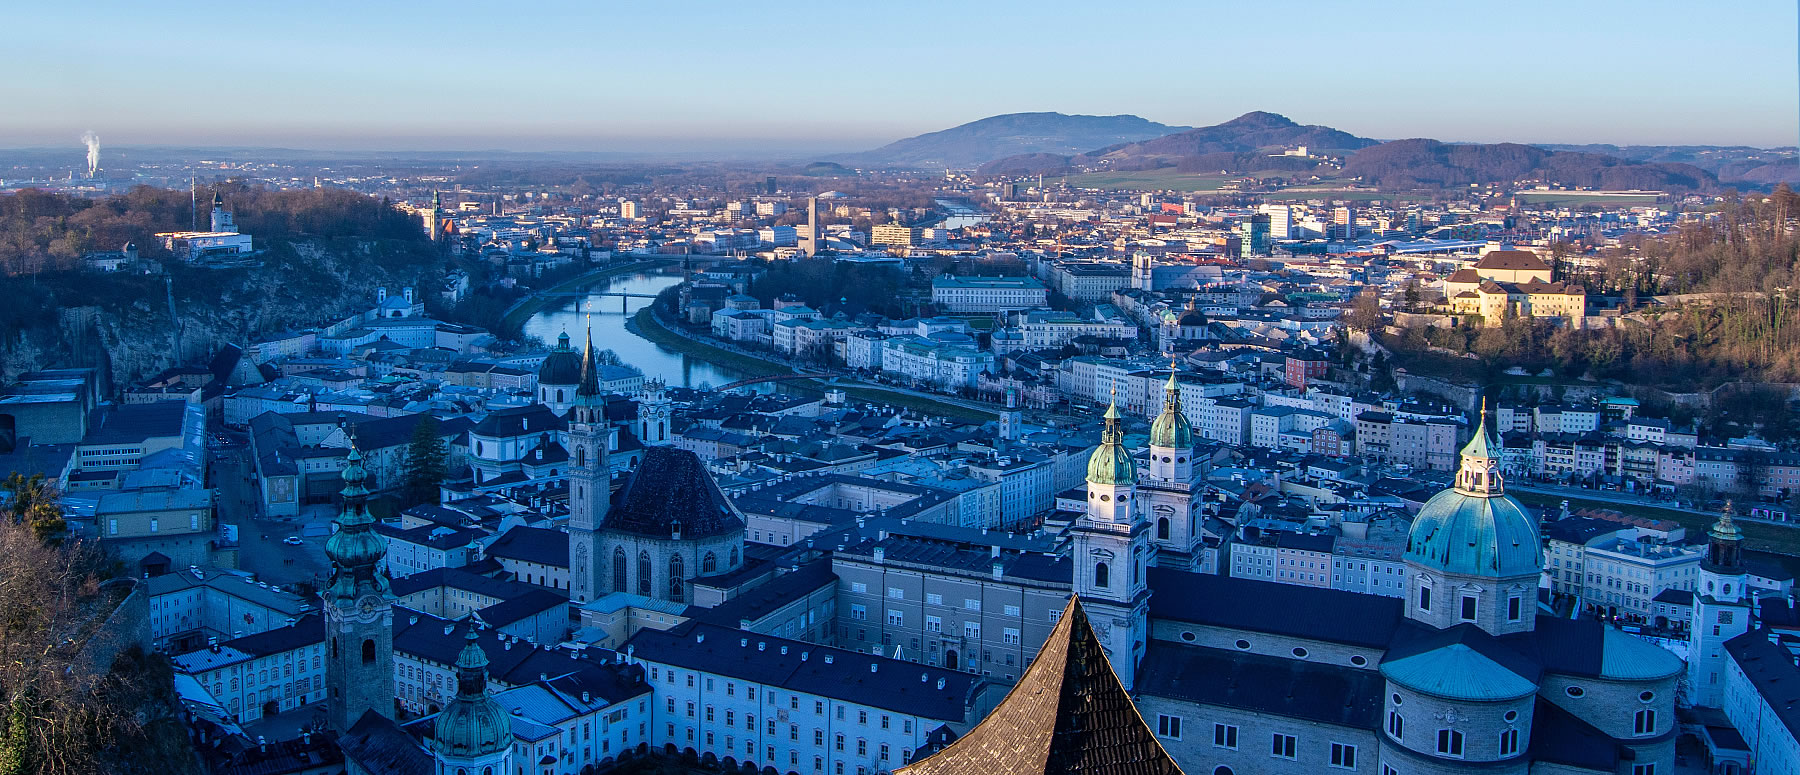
(359, 608)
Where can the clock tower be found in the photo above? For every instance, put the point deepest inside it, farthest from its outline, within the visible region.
(359, 609)
(590, 481)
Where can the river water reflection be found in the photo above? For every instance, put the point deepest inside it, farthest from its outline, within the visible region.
(564, 314)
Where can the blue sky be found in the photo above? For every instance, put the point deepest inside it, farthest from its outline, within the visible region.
(820, 76)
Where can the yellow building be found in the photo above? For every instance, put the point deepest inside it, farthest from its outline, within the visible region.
(1514, 281)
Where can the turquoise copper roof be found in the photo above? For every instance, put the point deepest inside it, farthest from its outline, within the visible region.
(1171, 429)
(1110, 463)
(1628, 658)
(1473, 535)
(473, 724)
(1458, 672)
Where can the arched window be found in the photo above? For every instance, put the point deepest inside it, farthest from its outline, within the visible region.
(709, 563)
(619, 562)
(677, 581)
(559, 394)
(580, 456)
(1134, 567)
(333, 656)
(644, 573)
(368, 650)
(1162, 527)
(734, 557)
(1100, 575)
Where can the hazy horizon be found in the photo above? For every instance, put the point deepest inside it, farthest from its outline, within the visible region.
(819, 78)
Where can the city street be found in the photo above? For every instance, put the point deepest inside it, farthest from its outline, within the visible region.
(261, 550)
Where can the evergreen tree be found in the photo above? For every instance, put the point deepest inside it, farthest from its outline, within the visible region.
(427, 462)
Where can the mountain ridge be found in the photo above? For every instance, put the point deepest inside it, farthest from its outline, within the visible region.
(970, 144)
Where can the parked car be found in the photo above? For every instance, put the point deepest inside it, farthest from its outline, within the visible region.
(292, 541)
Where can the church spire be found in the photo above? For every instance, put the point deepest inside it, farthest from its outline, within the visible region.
(590, 364)
(355, 549)
(1725, 544)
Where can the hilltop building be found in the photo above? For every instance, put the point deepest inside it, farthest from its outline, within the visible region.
(1514, 282)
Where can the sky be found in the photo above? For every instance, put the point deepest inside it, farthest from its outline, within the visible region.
(801, 77)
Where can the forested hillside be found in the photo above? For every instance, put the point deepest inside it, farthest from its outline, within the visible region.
(324, 252)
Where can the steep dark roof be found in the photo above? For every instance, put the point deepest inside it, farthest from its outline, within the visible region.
(561, 367)
(380, 745)
(1329, 694)
(1281, 609)
(519, 421)
(671, 486)
(1771, 670)
(1068, 714)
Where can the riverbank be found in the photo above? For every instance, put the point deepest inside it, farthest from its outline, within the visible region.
(528, 306)
(646, 325)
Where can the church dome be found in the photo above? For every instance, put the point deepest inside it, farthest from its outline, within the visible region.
(562, 366)
(1110, 463)
(1474, 528)
(473, 724)
(1171, 429)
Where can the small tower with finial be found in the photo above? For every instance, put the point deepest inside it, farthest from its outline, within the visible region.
(1722, 608)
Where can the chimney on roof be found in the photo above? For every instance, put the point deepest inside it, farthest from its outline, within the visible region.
(584, 697)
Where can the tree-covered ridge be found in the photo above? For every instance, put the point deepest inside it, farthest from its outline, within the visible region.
(43, 231)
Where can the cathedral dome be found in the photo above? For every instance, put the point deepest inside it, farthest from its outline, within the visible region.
(1474, 528)
(473, 724)
(562, 366)
(1171, 429)
(1110, 463)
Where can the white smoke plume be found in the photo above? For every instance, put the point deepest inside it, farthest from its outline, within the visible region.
(92, 141)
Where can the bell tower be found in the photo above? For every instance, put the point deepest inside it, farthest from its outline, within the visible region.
(590, 478)
(653, 414)
(1721, 610)
(1111, 549)
(359, 609)
(1167, 487)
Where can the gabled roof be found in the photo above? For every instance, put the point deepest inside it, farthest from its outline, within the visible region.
(379, 745)
(1315, 691)
(1068, 714)
(669, 487)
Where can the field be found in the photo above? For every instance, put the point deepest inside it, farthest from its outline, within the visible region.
(1302, 194)
(1577, 199)
(1153, 180)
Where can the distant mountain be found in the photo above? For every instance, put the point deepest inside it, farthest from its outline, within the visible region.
(1248, 133)
(1732, 164)
(971, 144)
(1420, 163)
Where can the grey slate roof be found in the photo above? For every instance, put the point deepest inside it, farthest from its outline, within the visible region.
(671, 486)
(1315, 691)
(812, 669)
(532, 544)
(1281, 609)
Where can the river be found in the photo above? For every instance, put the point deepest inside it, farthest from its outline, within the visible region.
(960, 214)
(564, 314)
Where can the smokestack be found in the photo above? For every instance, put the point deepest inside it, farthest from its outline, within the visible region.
(92, 141)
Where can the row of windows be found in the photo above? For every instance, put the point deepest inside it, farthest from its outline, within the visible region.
(1282, 746)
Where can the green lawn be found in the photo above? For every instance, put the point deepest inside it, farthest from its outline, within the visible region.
(1301, 195)
(1757, 535)
(649, 328)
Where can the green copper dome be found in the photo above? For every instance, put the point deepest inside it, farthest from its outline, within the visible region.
(473, 724)
(1474, 528)
(1110, 463)
(1171, 429)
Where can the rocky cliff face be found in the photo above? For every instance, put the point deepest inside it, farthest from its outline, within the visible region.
(123, 324)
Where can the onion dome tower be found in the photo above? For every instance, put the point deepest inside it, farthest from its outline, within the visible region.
(359, 608)
(474, 733)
